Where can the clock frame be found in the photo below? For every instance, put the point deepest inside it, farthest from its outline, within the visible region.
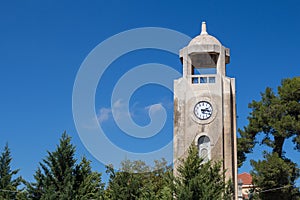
(203, 110)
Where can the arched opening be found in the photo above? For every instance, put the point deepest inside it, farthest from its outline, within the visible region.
(204, 148)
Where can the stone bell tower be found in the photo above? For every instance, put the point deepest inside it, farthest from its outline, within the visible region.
(205, 104)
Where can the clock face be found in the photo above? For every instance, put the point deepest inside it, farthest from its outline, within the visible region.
(203, 110)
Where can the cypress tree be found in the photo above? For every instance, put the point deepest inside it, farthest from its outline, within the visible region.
(198, 180)
(8, 185)
(60, 177)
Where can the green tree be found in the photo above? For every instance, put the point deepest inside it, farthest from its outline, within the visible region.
(275, 178)
(59, 177)
(276, 117)
(9, 185)
(198, 180)
(88, 183)
(137, 181)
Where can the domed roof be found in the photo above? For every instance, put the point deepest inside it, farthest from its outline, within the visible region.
(204, 38)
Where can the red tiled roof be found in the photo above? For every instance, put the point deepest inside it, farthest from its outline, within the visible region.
(246, 178)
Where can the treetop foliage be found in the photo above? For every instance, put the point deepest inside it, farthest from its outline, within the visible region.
(136, 180)
(60, 177)
(8, 184)
(199, 180)
(275, 178)
(276, 116)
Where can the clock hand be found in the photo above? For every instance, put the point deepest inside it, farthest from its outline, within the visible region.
(204, 111)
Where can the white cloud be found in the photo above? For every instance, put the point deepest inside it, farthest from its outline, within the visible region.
(118, 104)
(91, 124)
(104, 114)
(121, 112)
(118, 109)
(154, 108)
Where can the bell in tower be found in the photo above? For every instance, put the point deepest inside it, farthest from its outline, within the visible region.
(204, 104)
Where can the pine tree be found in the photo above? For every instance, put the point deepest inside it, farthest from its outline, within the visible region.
(275, 178)
(8, 185)
(59, 177)
(276, 117)
(198, 180)
(88, 183)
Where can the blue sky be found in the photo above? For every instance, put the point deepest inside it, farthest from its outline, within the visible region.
(43, 44)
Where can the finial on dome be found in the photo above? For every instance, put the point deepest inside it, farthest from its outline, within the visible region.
(203, 28)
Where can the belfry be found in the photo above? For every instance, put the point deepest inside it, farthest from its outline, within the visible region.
(205, 104)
